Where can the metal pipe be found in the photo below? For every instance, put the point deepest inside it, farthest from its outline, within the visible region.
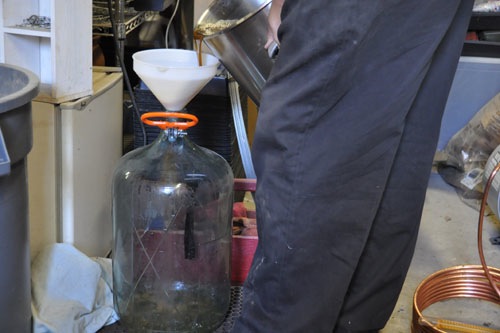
(120, 32)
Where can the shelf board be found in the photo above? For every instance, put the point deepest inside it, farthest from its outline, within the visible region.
(25, 31)
(102, 26)
(484, 21)
(45, 95)
(487, 49)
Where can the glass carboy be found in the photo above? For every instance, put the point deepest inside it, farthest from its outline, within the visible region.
(172, 207)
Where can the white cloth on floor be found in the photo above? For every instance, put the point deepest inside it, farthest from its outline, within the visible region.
(70, 291)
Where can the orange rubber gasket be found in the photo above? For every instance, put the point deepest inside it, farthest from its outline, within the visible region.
(163, 124)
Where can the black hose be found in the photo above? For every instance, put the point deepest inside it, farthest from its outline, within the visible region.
(124, 70)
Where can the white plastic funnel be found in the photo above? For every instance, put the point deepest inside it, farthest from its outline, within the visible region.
(173, 75)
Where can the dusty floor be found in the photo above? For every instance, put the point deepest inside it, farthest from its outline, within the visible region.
(448, 237)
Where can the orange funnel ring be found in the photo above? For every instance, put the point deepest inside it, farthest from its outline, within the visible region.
(146, 118)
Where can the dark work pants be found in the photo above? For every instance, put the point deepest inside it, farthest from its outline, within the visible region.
(345, 139)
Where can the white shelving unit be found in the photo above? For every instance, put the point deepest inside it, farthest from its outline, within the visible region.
(61, 56)
(77, 123)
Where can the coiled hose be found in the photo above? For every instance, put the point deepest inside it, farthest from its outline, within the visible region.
(467, 281)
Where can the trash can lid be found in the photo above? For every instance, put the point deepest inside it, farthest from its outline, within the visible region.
(17, 87)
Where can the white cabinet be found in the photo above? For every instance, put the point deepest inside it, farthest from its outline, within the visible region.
(76, 146)
(60, 55)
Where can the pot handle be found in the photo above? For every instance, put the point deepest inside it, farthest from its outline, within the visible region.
(273, 50)
(4, 157)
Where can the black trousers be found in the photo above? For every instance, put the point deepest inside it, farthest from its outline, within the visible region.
(343, 149)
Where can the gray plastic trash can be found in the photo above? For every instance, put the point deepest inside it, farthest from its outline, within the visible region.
(17, 88)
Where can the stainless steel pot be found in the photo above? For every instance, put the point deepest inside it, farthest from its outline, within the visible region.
(236, 32)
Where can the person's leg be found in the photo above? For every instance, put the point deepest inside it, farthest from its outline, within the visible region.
(330, 123)
(381, 271)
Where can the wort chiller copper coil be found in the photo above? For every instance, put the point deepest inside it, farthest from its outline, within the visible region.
(467, 281)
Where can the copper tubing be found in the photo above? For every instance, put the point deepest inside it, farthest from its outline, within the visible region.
(468, 281)
(480, 231)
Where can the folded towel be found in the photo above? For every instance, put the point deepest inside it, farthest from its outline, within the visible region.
(70, 291)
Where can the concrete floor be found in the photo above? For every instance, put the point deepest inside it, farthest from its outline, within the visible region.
(448, 237)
